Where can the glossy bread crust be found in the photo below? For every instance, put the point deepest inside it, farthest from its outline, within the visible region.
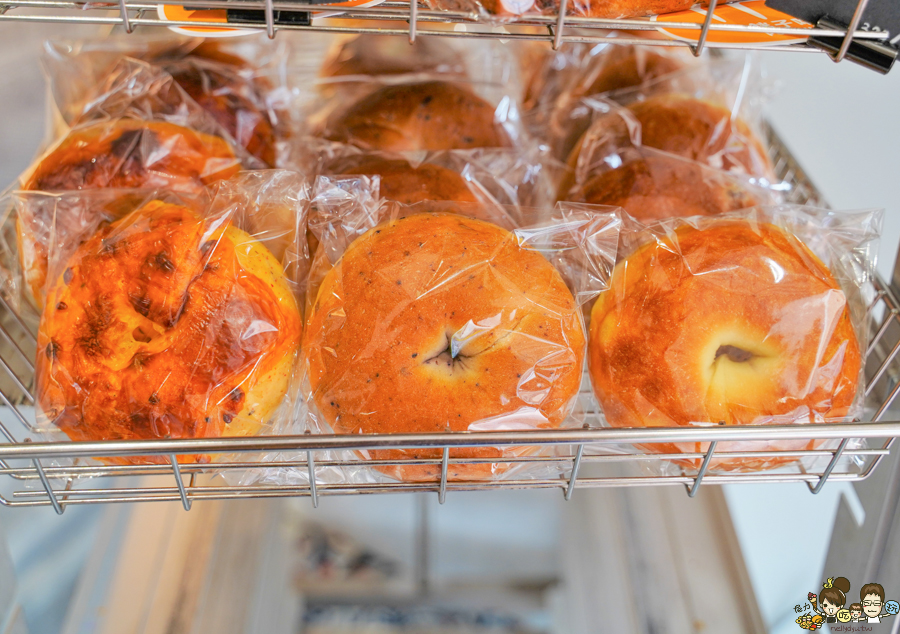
(436, 322)
(164, 326)
(737, 322)
(432, 115)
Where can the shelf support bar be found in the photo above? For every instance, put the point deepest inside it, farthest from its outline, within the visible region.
(560, 24)
(185, 502)
(574, 477)
(49, 489)
(851, 29)
(413, 19)
(126, 21)
(311, 467)
(704, 467)
(829, 468)
(704, 32)
(270, 18)
(445, 461)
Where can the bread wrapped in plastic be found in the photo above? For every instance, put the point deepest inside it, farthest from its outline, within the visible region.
(444, 321)
(751, 318)
(247, 100)
(171, 322)
(510, 10)
(116, 154)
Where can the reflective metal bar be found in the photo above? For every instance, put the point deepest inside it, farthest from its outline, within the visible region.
(854, 22)
(413, 18)
(185, 502)
(883, 368)
(25, 329)
(12, 375)
(270, 19)
(704, 32)
(313, 491)
(125, 20)
(703, 468)
(48, 489)
(560, 24)
(888, 320)
(574, 477)
(442, 491)
(830, 467)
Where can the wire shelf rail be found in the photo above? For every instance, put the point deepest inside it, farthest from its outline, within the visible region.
(840, 41)
(63, 473)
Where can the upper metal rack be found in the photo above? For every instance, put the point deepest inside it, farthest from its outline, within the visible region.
(841, 41)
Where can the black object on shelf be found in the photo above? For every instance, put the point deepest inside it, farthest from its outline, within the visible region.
(255, 16)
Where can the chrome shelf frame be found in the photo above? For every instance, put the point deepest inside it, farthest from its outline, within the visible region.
(42, 480)
(131, 15)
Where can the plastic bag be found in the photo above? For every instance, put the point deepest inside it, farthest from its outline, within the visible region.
(522, 178)
(172, 321)
(751, 318)
(709, 113)
(440, 321)
(429, 113)
(369, 54)
(652, 185)
(511, 10)
(248, 100)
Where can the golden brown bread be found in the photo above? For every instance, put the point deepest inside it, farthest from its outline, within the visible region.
(123, 154)
(372, 54)
(162, 326)
(234, 101)
(654, 186)
(402, 182)
(435, 322)
(692, 128)
(737, 322)
(430, 115)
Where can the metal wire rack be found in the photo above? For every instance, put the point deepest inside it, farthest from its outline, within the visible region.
(840, 41)
(62, 473)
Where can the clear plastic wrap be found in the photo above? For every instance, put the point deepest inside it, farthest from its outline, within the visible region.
(426, 113)
(174, 320)
(444, 321)
(751, 318)
(510, 10)
(119, 77)
(522, 178)
(652, 185)
(708, 112)
(369, 54)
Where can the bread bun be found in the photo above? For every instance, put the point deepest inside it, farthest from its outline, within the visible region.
(372, 54)
(436, 322)
(127, 154)
(681, 125)
(653, 186)
(163, 326)
(432, 115)
(132, 154)
(402, 182)
(737, 322)
(233, 100)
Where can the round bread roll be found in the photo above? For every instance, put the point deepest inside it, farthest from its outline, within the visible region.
(131, 154)
(654, 186)
(372, 54)
(735, 323)
(124, 154)
(402, 182)
(234, 101)
(681, 125)
(432, 115)
(437, 322)
(163, 326)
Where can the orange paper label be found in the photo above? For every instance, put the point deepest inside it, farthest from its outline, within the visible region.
(177, 13)
(750, 13)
